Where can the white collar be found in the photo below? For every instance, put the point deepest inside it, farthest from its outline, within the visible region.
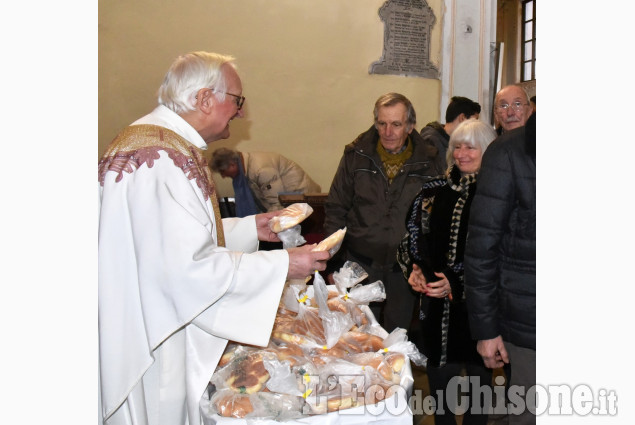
(165, 117)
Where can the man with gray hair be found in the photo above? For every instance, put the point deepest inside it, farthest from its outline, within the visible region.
(380, 173)
(176, 281)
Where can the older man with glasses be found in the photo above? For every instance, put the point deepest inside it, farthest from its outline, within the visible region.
(511, 108)
(176, 281)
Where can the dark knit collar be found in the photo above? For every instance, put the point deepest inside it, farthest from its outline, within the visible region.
(458, 182)
(404, 153)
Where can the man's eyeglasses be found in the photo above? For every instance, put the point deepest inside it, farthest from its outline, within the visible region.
(239, 100)
(516, 106)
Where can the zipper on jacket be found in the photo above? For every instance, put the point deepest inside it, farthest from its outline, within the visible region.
(379, 169)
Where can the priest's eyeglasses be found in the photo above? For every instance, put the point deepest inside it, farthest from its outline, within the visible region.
(516, 106)
(239, 100)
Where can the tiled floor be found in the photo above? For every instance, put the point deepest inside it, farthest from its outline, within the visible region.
(421, 383)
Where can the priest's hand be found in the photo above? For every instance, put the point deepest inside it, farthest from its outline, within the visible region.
(303, 262)
(262, 226)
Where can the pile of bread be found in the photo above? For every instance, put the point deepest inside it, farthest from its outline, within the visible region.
(326, 353)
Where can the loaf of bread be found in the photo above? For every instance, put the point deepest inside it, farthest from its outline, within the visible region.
(396, 361)
(292, 215)
(347, 307)
(332, 243)
(233, 405)
(360, 342)
(250, 376)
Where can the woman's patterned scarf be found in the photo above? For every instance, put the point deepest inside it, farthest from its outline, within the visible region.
(418, 225)
(463, 188)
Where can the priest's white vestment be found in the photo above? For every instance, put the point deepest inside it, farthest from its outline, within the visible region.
(170, 296)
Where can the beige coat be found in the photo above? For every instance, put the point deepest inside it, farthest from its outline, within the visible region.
(270, 174)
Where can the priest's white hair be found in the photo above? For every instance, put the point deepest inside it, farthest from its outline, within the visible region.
(188, 74)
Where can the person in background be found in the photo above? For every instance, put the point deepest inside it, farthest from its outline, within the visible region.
(259, 177)
(175, 282)
(378, 176)
(437, 134)
(532, 100)
(500, 259)
(511, 108)
(431, 257)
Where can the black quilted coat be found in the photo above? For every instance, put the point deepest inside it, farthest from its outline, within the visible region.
(500, 257)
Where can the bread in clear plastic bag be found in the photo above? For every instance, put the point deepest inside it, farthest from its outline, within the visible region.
(397, 341)
(261, 405)
(335, 323)
(244, 374)
(290, 216)
(349, 275)
(331, 243)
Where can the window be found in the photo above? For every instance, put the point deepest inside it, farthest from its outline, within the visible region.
(528, 49)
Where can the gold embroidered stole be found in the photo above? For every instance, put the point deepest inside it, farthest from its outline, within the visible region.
(139, 144)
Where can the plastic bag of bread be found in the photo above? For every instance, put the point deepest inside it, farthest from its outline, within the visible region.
(346, 306)
(292, 237)
(287, 224)
(290, 216)
(244, 374)
(335, 323)
(360, 372)
(349, 275)
(261, 405)
(229, 404)
(332, 243)
(294, 294)
(297, 380)
(334, 401)
(304, 329)
(282, 379)
(360, 342)
(286, 351)
(342, 386)
(365, 294)
(388, 365)
(349, 299)
(397, 341)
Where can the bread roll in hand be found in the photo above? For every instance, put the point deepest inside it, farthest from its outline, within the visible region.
(290, 216)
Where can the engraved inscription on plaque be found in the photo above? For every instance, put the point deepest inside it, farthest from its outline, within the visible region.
(407, 28)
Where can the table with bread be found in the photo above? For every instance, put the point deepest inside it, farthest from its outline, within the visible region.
(327, 357)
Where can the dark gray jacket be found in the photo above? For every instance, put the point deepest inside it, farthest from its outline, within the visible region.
(373, 211)
(434, 134)
(500, 257)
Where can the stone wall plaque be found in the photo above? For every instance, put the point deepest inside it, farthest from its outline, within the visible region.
(407, 28)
